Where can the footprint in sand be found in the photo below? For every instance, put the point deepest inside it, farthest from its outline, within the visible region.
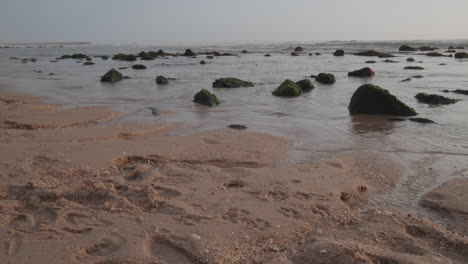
(165, 250)
(211, 141)
(106, 246)
(23, 222)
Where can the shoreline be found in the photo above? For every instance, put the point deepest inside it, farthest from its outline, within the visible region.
(76, 188)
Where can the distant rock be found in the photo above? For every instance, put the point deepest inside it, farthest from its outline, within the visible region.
(339, 53)
(406, 80)
(325, 78)
(210, 57)
(364, 72)
(204, 97)
(78, 56)
(451, 51)
(122, 68)
(237, 127)
(410, 60)
(139, 67)
(267, 55)
(104, 57)
(161, 80)
(374, 100)
(14, 58)
(244, 51)
(112, 76)
(413, 68)
(418, 76)
(202, 62)
(288, 89)
(373, 53)
(435, 54)
(311, 54)
(427, 48)
(459, 91)
(318, 54)
(299, 49)
(51, 74)
(390, 61)
(421, 120)
(461, 55)
(434, 99)
(88, 63)
(147, 55)
(305, 85)
(190, 53)
(231, 83)
(407, 48)
(370, 61)
(294, 53)
(124, 57)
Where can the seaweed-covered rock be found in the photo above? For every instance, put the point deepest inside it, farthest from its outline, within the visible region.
(364, 72)
(461, 55)
(147, 55)
(88, 63)
(434, 99)
(374, 100)
(139, 67)
(299, 49)
(190, 53)
(413, 68)
(407, 48)
(339, 53)
(161, 80)
(204, 97)
(305, 85)
(410, 59)
(231, 83)
(112, 76)
(288, 89)
(124, 57)
(325, 78)
(421, 120)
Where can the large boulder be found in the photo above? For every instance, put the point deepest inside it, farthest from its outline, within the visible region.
(305, 85)
(288, 89)
(325, 78)
(461, 55)
(161, 80)
(190, 53)
(364, 72)
(231, 83)
(407, 48)
(434, 99)
(339, 53)
(374, 100)
(124, 57)
(204, 97)
(112, 76)
(139, 67)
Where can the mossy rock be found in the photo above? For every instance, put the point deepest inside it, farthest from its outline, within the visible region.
(364, 72)
(434, 99)
(161, 80)
(305, 85)
(461, 55)
(325, 78)
(124, 57)
(339, 53)
(112, 76)
(231, 83)
(89, 63)
(288, 89)
(139, 67)
(373, 100)
(204, 97)
(407, 48)
(413, 68)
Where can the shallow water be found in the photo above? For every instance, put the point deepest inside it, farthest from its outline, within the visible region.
(318, 123)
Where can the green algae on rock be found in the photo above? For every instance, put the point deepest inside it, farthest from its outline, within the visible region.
(288, 89)
(434, 99)
(374, 100)
(305, 85)
(325, 78)
(161, 80)
(231, 83)
(112, 76)
(204, 97)
(124, 57)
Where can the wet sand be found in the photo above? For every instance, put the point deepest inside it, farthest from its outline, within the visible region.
(76, 188)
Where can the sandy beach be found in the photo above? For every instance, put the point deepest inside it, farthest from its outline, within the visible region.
(76, 188)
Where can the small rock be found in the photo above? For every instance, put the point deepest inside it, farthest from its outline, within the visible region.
(325, 78)
(204, 97)
(161, 80)
(339, 53)
(139, 67)
(238, 127)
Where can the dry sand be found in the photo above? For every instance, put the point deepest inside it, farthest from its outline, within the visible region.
(76, 189)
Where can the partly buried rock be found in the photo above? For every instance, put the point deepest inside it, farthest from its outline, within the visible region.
(407, 48)
(139, 67)
(421, 120)
(190, 53)
(461, 55)
(231, 83)
(161, 80)
(204, 97)
(339, 53)
(364, 72)
(237, 126)
(434, 99)
(305, 85)
(325, 78)
(413, 68)
(112, 76)
(374, 100)
(288, 89)
(124, 57)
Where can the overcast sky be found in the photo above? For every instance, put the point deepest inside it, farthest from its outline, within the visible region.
(220, 21)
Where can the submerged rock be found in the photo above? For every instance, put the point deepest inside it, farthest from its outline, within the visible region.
(88, 63)
(418, 76)
(190, 53)
(288, 89)
(124, 57)
(325, 78)
(374, 100)
(202, 62)
(204, 97)
(112, 76)
(461, 55)
(413, 68)
(78, 56)
(364, 72)
(238, 127)
(244, 51)
(139, 67)
(390, 61)
(294, 53)
(370, 61)
(339, 53)
(435, 54)
(422, 120)
(210, 57)
(231, 83)
(410, 59)
(407, 48)
(161, 80)
(434, 99)
(459, 91)
(305, 85)
(406, 80)
(104, 57)
(318, 54)
(267, 55)
(427, 48)
(299, 49)
(373, 53)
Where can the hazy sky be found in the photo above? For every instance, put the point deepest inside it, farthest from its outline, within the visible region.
(219, 21)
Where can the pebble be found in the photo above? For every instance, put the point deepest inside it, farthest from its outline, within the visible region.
(196, 237)
(323, 251)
